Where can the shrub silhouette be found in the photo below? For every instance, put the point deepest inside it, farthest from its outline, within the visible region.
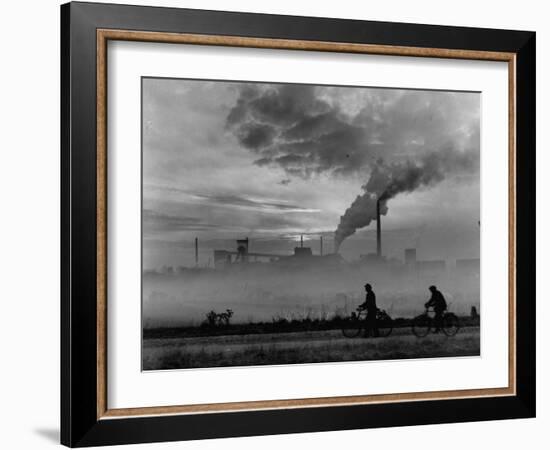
(215, 319)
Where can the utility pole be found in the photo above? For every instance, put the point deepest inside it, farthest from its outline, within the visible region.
(378, 233)
(196, 251)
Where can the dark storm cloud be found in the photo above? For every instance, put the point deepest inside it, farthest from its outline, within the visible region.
(256, 135)
(308, 129)
(292, 127)
(282, 105)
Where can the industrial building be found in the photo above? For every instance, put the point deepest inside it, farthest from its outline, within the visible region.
(302, 256)
(305, 257)
(224, 258)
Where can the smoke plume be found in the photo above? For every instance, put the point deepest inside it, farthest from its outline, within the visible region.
(337, 131)
(388, 180)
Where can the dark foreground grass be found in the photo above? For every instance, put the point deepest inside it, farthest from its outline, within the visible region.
(279, 325)
(296, 348)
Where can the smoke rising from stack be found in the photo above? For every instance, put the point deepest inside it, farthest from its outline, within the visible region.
(311, 131)
(388, 180)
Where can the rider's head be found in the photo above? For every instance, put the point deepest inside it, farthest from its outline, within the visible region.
(368, 287)
(433, 288)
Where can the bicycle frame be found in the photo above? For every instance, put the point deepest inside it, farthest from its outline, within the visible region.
(431, 324)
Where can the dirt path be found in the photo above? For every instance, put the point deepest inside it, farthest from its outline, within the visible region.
(302, 347)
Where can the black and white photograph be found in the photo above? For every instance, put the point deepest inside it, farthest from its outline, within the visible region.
(295, 223)
(275, 225)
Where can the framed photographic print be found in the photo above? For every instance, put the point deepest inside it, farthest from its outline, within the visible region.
(276, 224)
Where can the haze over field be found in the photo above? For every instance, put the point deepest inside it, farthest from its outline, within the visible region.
(266, 295)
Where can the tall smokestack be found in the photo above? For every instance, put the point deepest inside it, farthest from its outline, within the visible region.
(378, 233)
(301, 241)
(389, 180)
(196, 251)
(321, 244)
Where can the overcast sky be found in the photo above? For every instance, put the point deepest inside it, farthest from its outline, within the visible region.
(226, 160)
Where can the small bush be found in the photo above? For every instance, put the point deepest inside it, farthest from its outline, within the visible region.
(214, 319)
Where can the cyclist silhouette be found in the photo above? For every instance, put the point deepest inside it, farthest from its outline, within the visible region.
(437, 301)
(370, 305)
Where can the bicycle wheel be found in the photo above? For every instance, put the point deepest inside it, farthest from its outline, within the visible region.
(385, 324)
(450, 324)
(421, 325)
(351, 327)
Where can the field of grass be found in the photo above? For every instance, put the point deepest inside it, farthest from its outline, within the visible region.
(301, 347)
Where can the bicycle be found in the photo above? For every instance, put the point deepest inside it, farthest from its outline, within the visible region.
(356, 323)
(425, 322)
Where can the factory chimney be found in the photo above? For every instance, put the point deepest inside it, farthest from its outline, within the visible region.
(196, 251)
(321, 246)
(378, 232)
(302, 241)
